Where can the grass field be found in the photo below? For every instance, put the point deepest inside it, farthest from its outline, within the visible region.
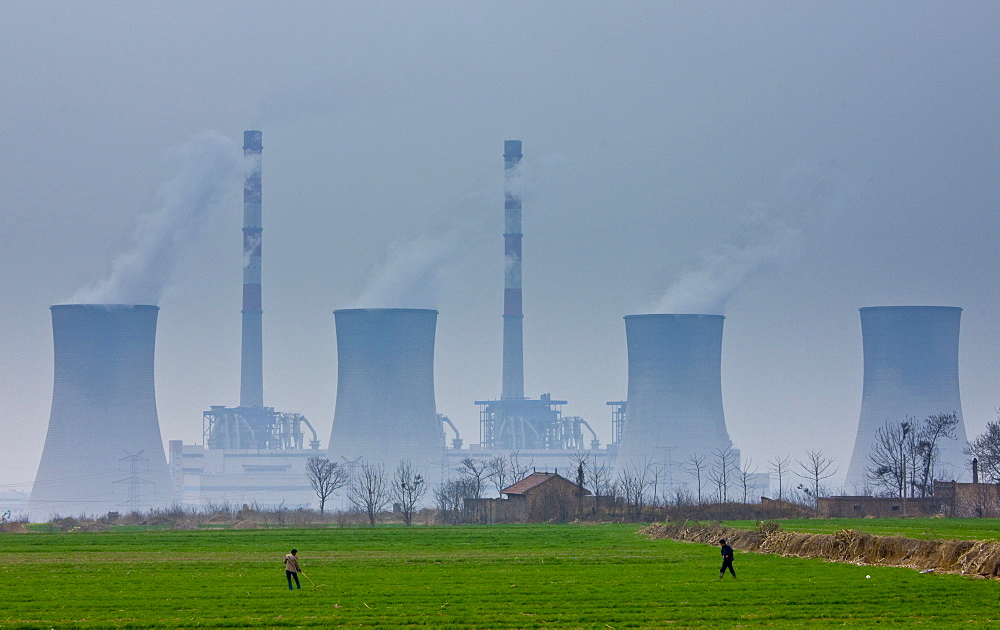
(921, 528)
(530, 576)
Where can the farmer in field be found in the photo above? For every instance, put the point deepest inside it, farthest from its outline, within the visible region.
(292, 569)
(727, 559)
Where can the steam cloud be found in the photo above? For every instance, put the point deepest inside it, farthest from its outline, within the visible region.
(722, 272)
(210, 168)
(415, 273)
(412, 274)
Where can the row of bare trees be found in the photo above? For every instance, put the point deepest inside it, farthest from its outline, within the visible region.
(473, 478)
(905, 455)
(370, 489)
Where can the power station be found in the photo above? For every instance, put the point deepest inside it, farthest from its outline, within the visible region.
(910, 372)
(103, 451)
(250, 453)
(514, 422)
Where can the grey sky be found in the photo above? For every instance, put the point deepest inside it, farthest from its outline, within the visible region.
(851, 147)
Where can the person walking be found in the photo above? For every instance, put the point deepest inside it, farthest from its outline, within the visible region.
(292, 569)
(727, 559)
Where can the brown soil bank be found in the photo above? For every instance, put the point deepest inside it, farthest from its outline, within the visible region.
(968, 557)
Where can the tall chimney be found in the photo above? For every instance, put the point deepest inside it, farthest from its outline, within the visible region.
(513, 318)
(251, 358)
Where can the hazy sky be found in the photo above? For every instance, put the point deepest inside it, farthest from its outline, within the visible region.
(804, 159)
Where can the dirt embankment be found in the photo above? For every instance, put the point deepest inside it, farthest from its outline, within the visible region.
(968, 557)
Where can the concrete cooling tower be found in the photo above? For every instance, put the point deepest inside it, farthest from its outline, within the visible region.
(674, 407)
(103, 450)
(385, 409)
(911, 372)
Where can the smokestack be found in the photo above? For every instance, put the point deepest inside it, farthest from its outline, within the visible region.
(513, 318)
(385, 409)
(911, 372)
(103, 450)
(251, 358)
(674, 405)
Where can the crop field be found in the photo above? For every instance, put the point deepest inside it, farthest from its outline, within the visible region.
(921, 528)
(527, 576)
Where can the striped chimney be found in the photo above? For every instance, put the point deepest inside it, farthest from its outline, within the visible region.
(513, 318)
(251, 358)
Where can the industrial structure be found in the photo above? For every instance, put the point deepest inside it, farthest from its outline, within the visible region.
(674, 407)
(514, 422)
(249, 453)
(252, 352)
(103, 451)
(385, 412)
(910, 373)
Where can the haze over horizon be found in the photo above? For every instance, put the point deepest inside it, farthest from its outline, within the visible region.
(782, 164)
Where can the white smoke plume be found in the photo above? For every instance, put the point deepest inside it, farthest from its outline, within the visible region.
(721, 272)
(211, 167)
(412, 274)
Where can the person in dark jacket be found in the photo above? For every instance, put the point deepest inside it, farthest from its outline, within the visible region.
(292, 569)
(727, 559)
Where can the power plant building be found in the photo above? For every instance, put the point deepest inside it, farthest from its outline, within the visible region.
(910, 373)
(103, 451)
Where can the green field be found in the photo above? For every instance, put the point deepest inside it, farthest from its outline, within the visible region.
(530, 576)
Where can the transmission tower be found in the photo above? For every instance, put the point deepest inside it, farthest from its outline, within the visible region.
(133, 501)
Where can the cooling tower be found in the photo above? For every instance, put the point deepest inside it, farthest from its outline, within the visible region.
(911, 372)
(674, 405)
(385, 389)
(513, 318)
(103, 450)
(252, 353)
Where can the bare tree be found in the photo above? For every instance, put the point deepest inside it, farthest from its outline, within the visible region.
(933, 429)
(408, 488)
(498, 472)
(578, 461)
(891, 457)
(722, 472)
(325, 477)
(477, 471)
(599, 478)
(986, 449)
(518, 469)
(450, 497)
(745, 475)
(503, 470)
(815, 469)
(696, 466)
(659, 473)
(634, 482)
(369, 491)
(779, 465)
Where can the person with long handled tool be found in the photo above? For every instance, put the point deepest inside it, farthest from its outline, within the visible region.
(292, 569)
